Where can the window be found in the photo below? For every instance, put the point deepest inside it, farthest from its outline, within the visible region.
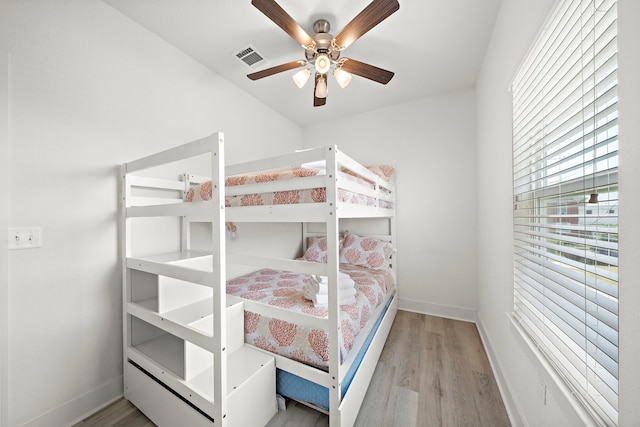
(565, 181)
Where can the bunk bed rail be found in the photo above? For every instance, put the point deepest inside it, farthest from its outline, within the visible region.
(201, 333)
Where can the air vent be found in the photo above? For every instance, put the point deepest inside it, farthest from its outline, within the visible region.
(250, 57)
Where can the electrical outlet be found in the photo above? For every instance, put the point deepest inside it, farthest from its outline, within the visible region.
(542, 392)
(25, 238)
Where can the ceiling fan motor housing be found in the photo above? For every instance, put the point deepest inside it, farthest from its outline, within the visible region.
(321, 26)
(322, 39)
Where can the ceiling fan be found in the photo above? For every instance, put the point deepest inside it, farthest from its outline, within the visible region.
(322, 51)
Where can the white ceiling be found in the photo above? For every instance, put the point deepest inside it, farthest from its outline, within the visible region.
(433, 46)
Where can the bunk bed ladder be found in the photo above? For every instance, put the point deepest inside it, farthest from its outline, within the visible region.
(167, 358)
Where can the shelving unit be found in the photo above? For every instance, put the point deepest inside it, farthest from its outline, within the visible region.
(185, 359)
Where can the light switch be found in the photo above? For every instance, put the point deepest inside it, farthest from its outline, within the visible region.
(25, 238)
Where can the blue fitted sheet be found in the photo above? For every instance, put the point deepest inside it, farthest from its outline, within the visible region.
(295, 387)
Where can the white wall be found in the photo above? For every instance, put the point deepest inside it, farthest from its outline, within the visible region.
(431, 142)
(629, 107)
(4, 220)
(516, 25)
(89, 89)
(521, 375)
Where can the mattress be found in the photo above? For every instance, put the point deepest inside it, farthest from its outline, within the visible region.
(295, 387)
(286, 290)
(202, 192)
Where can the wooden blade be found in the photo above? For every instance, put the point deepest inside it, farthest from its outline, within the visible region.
(367, 71)
(318, 102)
(281, 18)
(376, 12)
(277, 69)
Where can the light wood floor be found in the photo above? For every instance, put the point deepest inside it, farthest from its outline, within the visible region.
(432, 372)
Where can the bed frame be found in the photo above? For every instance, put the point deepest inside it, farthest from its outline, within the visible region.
(185, 362)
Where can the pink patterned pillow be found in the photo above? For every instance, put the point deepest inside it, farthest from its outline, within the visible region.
(317, 249)
(384, 172)
(365, 251)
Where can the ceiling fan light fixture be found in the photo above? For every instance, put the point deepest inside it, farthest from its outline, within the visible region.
(322, 51)
(323, 63)
(342, 77)
(321, 87)
(301, 77)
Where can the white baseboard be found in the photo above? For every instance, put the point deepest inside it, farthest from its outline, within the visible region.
(456, 313)
(81, 407)
(511, 405)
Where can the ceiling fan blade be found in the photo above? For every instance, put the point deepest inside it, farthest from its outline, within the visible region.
(367, 71)
(282, 19)
(318, 102)
(277, 69)
(376, 12)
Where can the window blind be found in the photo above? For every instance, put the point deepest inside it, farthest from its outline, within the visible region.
(565, 149)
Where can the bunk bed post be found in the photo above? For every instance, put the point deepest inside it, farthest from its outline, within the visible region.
(393, 234)
(219, 278)
(125, 237)
(305, 236)
(333, 269)
(185, 224)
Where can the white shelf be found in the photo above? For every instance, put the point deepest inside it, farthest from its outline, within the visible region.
(250, 375)
(150, 304)
(197, 316)
(175, 256)
(192, 323)
(191, 313)
(242, 365)
(166, 350)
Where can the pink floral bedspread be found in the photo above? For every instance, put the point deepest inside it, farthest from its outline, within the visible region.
(312, 195)
(285, 289)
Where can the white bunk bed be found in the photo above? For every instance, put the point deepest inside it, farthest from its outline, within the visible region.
(185, 359)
